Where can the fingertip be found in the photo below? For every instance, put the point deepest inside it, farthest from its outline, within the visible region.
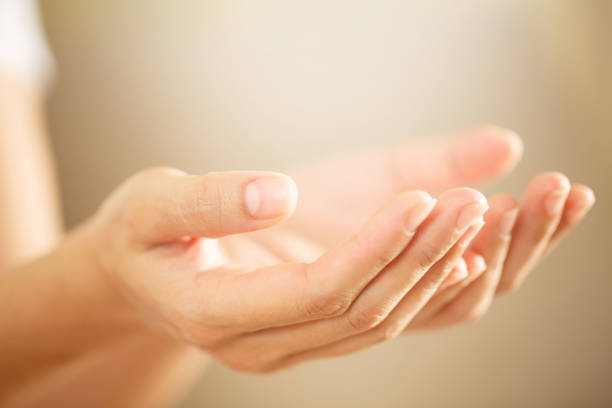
(293, 195)
(584, 195)
(579, 201)
(550, 181)
(480, 264)
(462, 196)
(500, 148)
(475, 263)
(461, 269)
(516, 146)
(547, 192)
(470, 205)
(420, 205)
(508, 144)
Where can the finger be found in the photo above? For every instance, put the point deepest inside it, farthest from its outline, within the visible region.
(291, 293)
(427, 287)
(469, 299)
(166, 204)
(471, 157)
(399, 317)
(456, 211)
(579, 201)
(539, 216)
(475, 265)
(457, 274)
(492, 242)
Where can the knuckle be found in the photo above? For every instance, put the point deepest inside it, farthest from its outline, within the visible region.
(323, 301)
(429, 255)
(151, 176)
(153, 173)
(383, 257)
(361, 320)
(213, 198)
(136, 187)
(327, 305)
(429, 286)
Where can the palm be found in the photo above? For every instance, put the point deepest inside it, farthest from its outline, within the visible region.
(249, 294)
(324, 216)
(339, 195)
(244, 276)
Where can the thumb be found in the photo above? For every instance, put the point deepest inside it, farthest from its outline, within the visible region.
(482, 154)
(471, 157)
(169, 204)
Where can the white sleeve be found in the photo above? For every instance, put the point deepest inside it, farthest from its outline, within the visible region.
(23, 48)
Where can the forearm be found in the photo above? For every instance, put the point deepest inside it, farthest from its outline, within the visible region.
(29, 205)
(66, 335)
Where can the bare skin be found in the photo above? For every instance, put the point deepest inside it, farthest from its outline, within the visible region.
(29, 205)
(174, 264)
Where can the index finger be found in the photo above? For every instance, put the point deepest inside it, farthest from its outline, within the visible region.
(297, 292)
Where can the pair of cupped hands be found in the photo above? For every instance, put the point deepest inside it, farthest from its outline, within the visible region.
(234, 264)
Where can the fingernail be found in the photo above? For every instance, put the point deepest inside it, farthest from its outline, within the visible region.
(270, 197)
(489, 148)
(555, 201)
(417, 214)
(507, 223)
(465, 240)
(469, 215)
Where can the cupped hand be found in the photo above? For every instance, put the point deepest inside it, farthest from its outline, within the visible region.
(513, 239)
(239, 301)
(203, 258)
(336, 194)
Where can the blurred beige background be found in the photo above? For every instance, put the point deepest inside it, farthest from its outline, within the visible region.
(214, 85)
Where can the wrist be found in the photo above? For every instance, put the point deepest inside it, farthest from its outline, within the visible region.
(99, 261)
(66, 324)
(112, 259)
(98, 308)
